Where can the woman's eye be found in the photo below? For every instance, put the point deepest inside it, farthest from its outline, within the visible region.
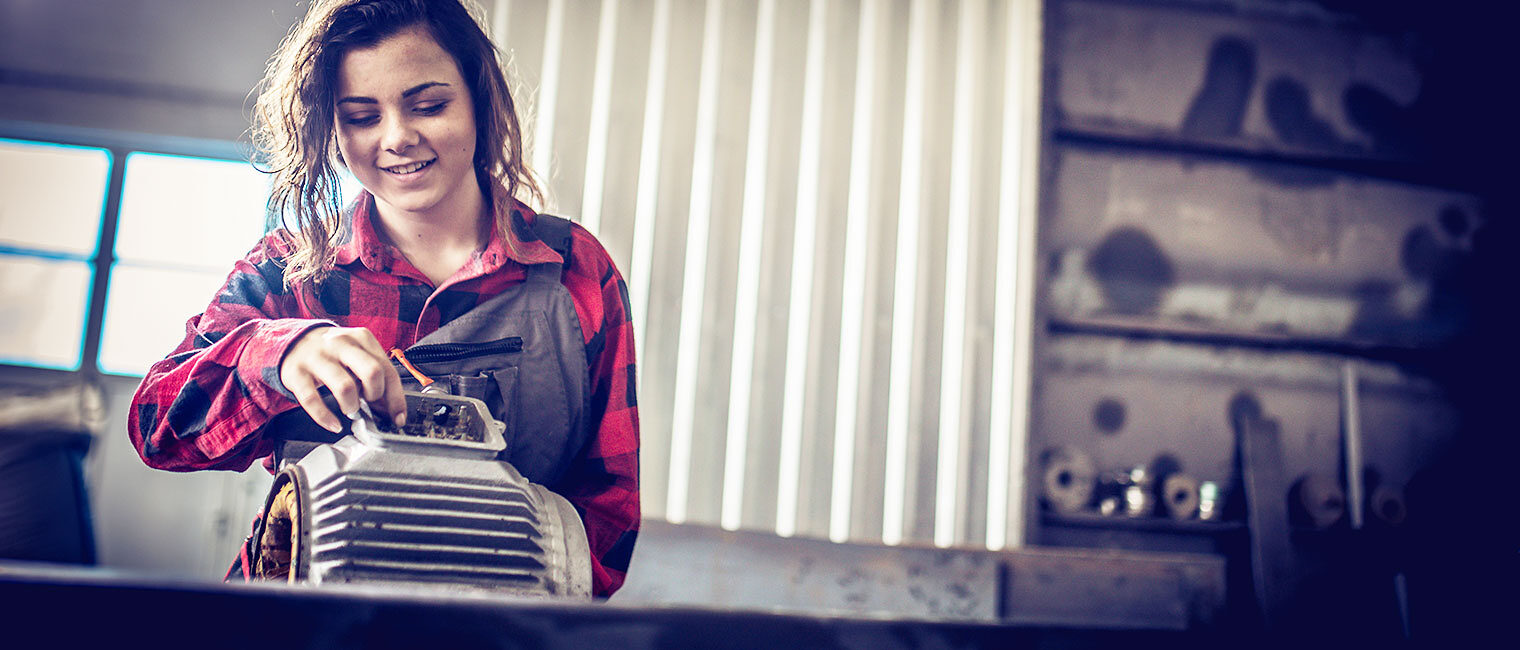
(361, 120)
(431, 109)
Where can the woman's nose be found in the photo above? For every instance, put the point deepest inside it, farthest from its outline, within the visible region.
(399, 136)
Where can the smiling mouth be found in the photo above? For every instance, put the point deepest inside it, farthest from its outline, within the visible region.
(411, 168)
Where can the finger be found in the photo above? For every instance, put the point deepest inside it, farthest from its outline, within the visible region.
(395, 398)
(369, 369)
(391, 393)
(342, 384)
(366, 339)
(304, 387)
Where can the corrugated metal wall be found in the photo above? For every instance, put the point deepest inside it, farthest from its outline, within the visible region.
(823, 211)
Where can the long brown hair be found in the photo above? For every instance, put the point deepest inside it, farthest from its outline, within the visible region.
(293, 117)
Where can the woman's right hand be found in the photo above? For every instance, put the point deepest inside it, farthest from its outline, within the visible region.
(349, 362)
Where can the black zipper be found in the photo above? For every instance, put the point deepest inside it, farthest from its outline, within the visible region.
(441, 352)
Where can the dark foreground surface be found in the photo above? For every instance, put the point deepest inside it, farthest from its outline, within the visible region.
(46, 606)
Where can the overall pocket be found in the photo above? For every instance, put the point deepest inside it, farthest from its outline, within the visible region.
(443, 353)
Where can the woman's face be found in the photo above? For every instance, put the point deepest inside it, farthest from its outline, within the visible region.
(406, 125)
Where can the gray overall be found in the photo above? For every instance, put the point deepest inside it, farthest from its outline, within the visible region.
(523, 354)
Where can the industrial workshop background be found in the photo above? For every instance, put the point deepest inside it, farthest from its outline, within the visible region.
(890, 260)
(774, 181)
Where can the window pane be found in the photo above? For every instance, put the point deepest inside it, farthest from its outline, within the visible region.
(42, 308)
(146, 310)
(53, 196)
(190, 212)
(348, 187)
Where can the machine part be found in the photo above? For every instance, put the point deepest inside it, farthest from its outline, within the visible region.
(1316, 501)
(1351, 438)
(1267, 516)
(1069, 479)
(277, 537)
(1164, 465)
(1138, 501)
(1180, 496)
(436, 423)
(1210, 501)
(1401, 593)
(1109, 491)
(1108, 506)
(471, 385)
(1387, 506)
(428, 505)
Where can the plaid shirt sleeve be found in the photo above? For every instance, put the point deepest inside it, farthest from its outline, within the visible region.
(203, 405)
(603, 483)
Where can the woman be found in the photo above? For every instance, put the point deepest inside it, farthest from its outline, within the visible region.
(407, 95)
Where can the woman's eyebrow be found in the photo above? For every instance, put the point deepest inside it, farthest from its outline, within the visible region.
(421, 87)
(405, 93)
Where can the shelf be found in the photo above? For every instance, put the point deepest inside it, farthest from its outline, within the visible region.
(1141, 524)
(1150, 329)
(1353, 161)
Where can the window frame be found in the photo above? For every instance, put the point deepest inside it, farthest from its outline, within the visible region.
(119, 145)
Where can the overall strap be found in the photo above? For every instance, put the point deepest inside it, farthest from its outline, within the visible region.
(554, 231)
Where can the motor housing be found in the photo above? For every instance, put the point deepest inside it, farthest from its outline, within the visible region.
(429, 504)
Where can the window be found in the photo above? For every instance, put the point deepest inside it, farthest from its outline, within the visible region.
(49, 229)
(182, 223)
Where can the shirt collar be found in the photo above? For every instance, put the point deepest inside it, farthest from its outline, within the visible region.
(517, 242)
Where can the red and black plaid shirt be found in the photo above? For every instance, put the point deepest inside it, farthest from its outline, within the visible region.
(204, 405)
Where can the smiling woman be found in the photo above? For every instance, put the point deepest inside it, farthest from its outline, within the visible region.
(441, 248)
(407, 131)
